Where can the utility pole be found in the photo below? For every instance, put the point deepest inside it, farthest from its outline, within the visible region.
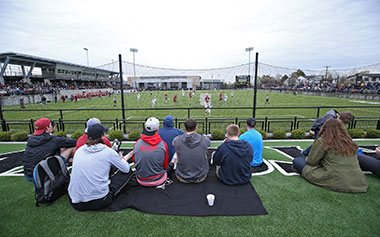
(327, 68)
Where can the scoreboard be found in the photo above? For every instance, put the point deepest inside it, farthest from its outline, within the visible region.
(243, 81)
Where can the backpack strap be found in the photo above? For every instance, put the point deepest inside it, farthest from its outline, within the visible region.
(50, 174)
(63, 166)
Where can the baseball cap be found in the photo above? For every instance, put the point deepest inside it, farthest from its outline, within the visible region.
(96, 131)
(40, 126)
(152, 124)
(91, 122)
(251, 122)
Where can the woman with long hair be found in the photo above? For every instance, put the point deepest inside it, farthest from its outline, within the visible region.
(332, 162)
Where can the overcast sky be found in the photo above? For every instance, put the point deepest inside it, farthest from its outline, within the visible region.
(306, 34)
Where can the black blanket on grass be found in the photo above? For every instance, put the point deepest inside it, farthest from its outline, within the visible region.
(190, 199)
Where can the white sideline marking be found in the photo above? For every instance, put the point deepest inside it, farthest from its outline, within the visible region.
(268, 171)
(283, 153)
(364, 102)
(9, 172)
(282, 171)
(11, 152)
(3, 158)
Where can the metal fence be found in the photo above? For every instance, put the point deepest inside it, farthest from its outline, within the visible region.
(206, 124)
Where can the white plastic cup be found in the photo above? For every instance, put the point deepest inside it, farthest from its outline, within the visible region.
(210, 199)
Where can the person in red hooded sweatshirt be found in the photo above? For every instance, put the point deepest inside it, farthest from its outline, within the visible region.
(151, 156)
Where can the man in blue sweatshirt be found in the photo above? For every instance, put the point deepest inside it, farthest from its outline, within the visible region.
(233, 158)
(256, 140)
(168, 133)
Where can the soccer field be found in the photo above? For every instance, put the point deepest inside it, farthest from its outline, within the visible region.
(295, 208)
(220, 109)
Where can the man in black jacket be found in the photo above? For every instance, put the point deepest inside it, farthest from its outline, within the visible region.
(42, 145)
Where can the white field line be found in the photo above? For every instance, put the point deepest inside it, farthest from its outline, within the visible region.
(18, 168)
(282, 171)
(268, 171)
(283, 153)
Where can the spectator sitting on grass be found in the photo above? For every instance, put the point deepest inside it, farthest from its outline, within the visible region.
(42, 145)
(256, 140)
(151, 156)
(83, 139)
(345, 117)
(372, 164)
(332, 162)
(91, 187)
(191, 148)
(168, 132)
(233, 158)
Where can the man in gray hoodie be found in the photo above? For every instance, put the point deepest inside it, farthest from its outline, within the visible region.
(191, 148)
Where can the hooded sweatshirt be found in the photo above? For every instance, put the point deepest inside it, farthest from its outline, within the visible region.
(151, 158)
(168, 133)
(42, 146)
(90, 172)
(191, 154)
(234, 158)
(317, 125)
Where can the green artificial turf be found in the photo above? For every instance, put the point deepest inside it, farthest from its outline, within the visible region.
(241, 98)
(295, 208)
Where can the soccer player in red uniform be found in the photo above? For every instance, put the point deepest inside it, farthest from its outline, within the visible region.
(175, 98)
(166, 97)
(221, 96)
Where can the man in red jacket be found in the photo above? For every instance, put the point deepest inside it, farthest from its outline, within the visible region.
(83, 139)
(151, 156)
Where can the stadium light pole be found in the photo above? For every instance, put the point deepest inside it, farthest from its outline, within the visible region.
(249, 60)
(86, 49)
(255, 85)
(134, 65)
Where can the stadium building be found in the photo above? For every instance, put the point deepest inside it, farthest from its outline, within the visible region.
(173, 82)
(165, 82)
(16, 67)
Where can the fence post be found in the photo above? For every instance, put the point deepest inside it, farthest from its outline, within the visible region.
(31, 127)
(3, 125)
(378, 124)
(61, 113)
(62, 124)
(318, 110)
(206, 125)
(266, 124)
(188, 112)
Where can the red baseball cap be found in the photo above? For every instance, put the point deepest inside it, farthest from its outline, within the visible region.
(40, 126)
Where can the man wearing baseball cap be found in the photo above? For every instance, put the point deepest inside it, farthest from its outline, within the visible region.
(91, 187)
(42, 145)
(256, 140)
(151, 156)
(83, 139)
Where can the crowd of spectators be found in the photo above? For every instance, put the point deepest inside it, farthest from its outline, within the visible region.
(22, 88)
(364, 88)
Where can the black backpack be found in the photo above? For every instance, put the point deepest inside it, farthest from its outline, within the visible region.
(51, 179)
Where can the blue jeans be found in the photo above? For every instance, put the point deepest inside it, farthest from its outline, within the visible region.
(299, 163)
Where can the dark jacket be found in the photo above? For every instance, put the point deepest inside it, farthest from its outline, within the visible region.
(191, 150)
(40, 147)
(234, 158)
(168, 133)
(317, 125)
